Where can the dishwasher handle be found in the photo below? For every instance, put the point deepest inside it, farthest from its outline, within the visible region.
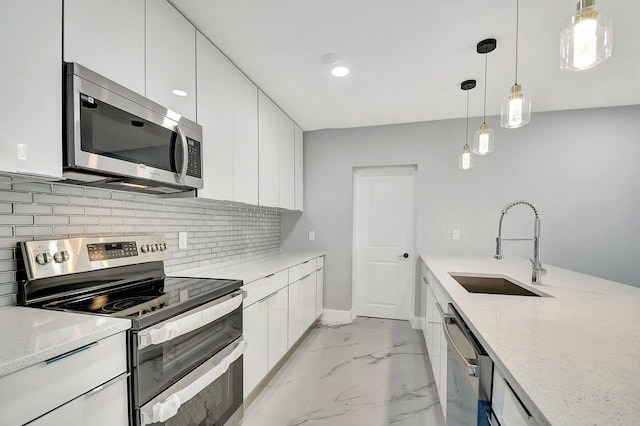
(471, 365)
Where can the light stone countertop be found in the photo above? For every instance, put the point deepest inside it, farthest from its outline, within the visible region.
(573, 358)
(31, 335)
(250, 269)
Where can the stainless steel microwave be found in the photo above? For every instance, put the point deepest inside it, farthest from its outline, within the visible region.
(118, 139)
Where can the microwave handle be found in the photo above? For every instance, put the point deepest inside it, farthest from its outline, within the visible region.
(185, 156)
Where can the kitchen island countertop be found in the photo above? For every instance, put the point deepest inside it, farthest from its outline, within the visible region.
(572, 357)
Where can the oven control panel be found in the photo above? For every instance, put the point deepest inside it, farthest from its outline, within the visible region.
(49, 258)
(117, 250)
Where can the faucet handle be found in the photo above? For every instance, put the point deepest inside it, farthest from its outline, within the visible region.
(537, 266)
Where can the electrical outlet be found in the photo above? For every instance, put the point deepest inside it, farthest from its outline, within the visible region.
(182, 240)
(455, 234)
(312, 235)
(22, 151)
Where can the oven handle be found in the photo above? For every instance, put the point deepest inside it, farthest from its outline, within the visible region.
(190, 320)
(162, 407)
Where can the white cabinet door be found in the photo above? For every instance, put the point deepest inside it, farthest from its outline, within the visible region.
(255, 320)
(108, 38)
(245, 139)
(269, 151)
(31, 76)
(215, 115)
(299, 166)
(106, 405)
(296, 312)
(434, 349)
(310, 291)
(286, 139)
(278, 326)
(170, 58)
(319, 292)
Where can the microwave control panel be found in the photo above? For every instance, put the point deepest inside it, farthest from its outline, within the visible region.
(194, 163)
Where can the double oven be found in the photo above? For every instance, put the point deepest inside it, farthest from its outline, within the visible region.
(185, 345)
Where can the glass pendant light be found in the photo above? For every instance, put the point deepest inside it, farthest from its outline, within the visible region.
(516, 106)
(483, 138)
(465, 161)
(586, 39)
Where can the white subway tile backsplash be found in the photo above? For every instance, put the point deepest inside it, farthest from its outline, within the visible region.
(69, 189)
(32, 231)
(68, 210)
(97, 193)
(218, 232)
(19, 197)
(50, 199)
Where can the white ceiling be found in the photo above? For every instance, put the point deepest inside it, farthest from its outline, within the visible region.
(408, 57)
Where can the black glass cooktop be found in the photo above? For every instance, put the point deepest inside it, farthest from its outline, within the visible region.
(145, 302)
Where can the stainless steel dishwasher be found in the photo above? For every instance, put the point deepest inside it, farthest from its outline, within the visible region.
(469, 374)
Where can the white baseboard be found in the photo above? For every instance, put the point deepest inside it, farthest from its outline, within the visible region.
(335, 316)
(416, 323)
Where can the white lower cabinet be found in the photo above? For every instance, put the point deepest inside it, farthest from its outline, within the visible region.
(434, 334)
(86, 383)
(506, 406)
(106, 405)
(276, 314)
(296, 312)
(278, 320)
(255, 328)
(319, 292)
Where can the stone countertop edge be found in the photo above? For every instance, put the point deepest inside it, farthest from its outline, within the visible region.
(571, 357)
(251, 269)
(31, 335)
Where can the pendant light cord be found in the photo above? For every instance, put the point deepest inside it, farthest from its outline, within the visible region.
(484, 110)
(466, 135)
(517, 15)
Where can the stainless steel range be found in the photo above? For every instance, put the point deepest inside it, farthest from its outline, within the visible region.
(185, 344)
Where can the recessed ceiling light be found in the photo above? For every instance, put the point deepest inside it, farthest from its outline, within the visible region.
(340, 71)
(179, 92)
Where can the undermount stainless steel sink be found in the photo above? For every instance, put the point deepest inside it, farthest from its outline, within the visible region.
(493, 284)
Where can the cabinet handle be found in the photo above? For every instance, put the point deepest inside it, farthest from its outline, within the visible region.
(185, 155)
(109, 383)
(268, 297)
(70, 353)
(270, 275)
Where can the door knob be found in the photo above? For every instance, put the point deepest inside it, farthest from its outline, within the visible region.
(406, 255)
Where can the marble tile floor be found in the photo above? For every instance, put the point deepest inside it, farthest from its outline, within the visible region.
(370, 372)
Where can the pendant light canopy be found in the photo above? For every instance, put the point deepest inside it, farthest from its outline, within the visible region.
(465, 161)
(516, 106)
(586, 39)
(483, 138)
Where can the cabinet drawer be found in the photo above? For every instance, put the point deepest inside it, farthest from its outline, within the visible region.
(259, 289)
(35, 390)
(301, 270)
(320, 262)
(106, 405)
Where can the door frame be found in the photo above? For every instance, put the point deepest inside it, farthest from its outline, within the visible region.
(355, 286)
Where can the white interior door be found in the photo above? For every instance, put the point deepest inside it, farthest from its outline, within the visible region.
(383, 241)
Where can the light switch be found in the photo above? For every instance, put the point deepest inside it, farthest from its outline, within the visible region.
(455, 234)
(22, 151)
(312, 235)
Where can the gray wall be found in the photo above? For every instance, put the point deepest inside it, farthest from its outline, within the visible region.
(217, 232)
(581, 168)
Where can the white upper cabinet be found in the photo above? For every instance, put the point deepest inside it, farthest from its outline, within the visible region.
(108, 38)
(170, 59)
(215, 96)
(269, 132)
(31, 111)
(299, 160)
(287, 162)
(245, 139)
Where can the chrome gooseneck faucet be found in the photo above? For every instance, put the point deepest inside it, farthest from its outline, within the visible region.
(538, 270)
